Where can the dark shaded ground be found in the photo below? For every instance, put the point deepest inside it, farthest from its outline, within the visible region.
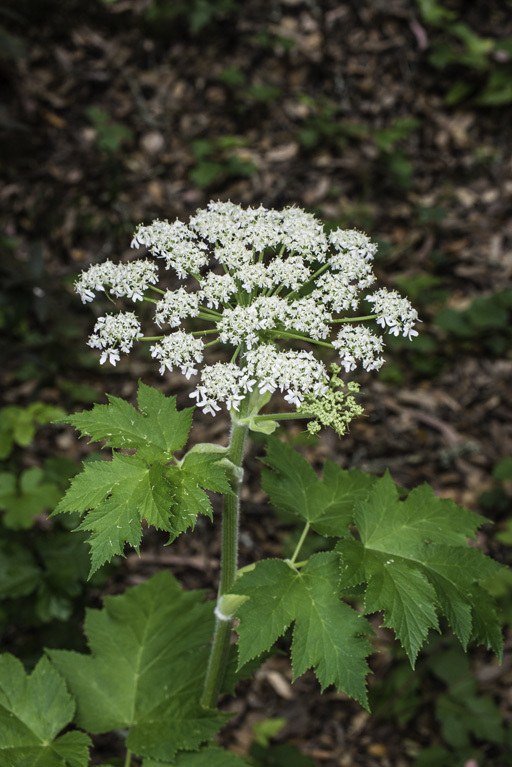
(333, 106)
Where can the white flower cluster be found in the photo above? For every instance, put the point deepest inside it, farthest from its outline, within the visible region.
(115, 332)
(261, 279)
(176, 305)
(394, 311)
(295, 372)
(130, 280)
(357, 342)
(181, 247)
(180, 350)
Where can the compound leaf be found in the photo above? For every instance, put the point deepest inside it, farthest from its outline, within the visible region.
(198, 472)
(293, 486)
(413, 556)
(117, 495)
(33, 710)
(149, 651)
(327, 634)
(157, 428)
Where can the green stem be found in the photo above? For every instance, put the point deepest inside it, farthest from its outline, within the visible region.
(204, 332)
(281, 416)
(299, 545)
(311, 279)
(128, 759)
(229, 564)
(356, 319)
(297, 337)
(212, 313)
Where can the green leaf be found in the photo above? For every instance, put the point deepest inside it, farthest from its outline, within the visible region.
(159, 429)
(118, 495)
(503, 469)
(462, 711)
(27, 498)
(294, 487)
(265, 426)
(33, 710)
(413, 556)
(206, 470)
(327, 632)
(19, 573)
(198, 472)
(149, 650)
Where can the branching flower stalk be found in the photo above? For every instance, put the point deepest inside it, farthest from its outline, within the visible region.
(262, 284)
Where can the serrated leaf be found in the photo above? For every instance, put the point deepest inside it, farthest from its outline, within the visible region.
(207, 471)
(157, 428)
(33, 710)
(197, 473)
(149, 651)
(293, 486)
(342, 490)
(414, 557)
(327, 633)
(118, 495)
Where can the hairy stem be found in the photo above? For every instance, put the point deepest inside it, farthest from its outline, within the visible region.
(229, 564)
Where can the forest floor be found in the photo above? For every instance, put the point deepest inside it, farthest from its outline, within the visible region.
(111, 120)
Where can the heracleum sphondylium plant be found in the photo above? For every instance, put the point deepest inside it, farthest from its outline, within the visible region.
(271, 292)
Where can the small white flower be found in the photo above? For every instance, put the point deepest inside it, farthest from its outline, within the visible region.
(112, 355)
(308, 316)
(357, 342)
(290, 272)
(217, 289)
(175, 306)
(395, 312)
(181, 350)
(130, 280)
(176, 243)
(113, 332)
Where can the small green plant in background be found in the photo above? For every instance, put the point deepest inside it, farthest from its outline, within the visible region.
(43, 569)
(388, 140)
(325, 125)
(218, 159)
(110, 135)
(485, 324)
(263, 753)
(18, 425)
(245, 93)
(199, 14)
(487, 61)
(468, 719)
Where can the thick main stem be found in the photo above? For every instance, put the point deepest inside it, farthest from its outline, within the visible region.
(229, 564)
